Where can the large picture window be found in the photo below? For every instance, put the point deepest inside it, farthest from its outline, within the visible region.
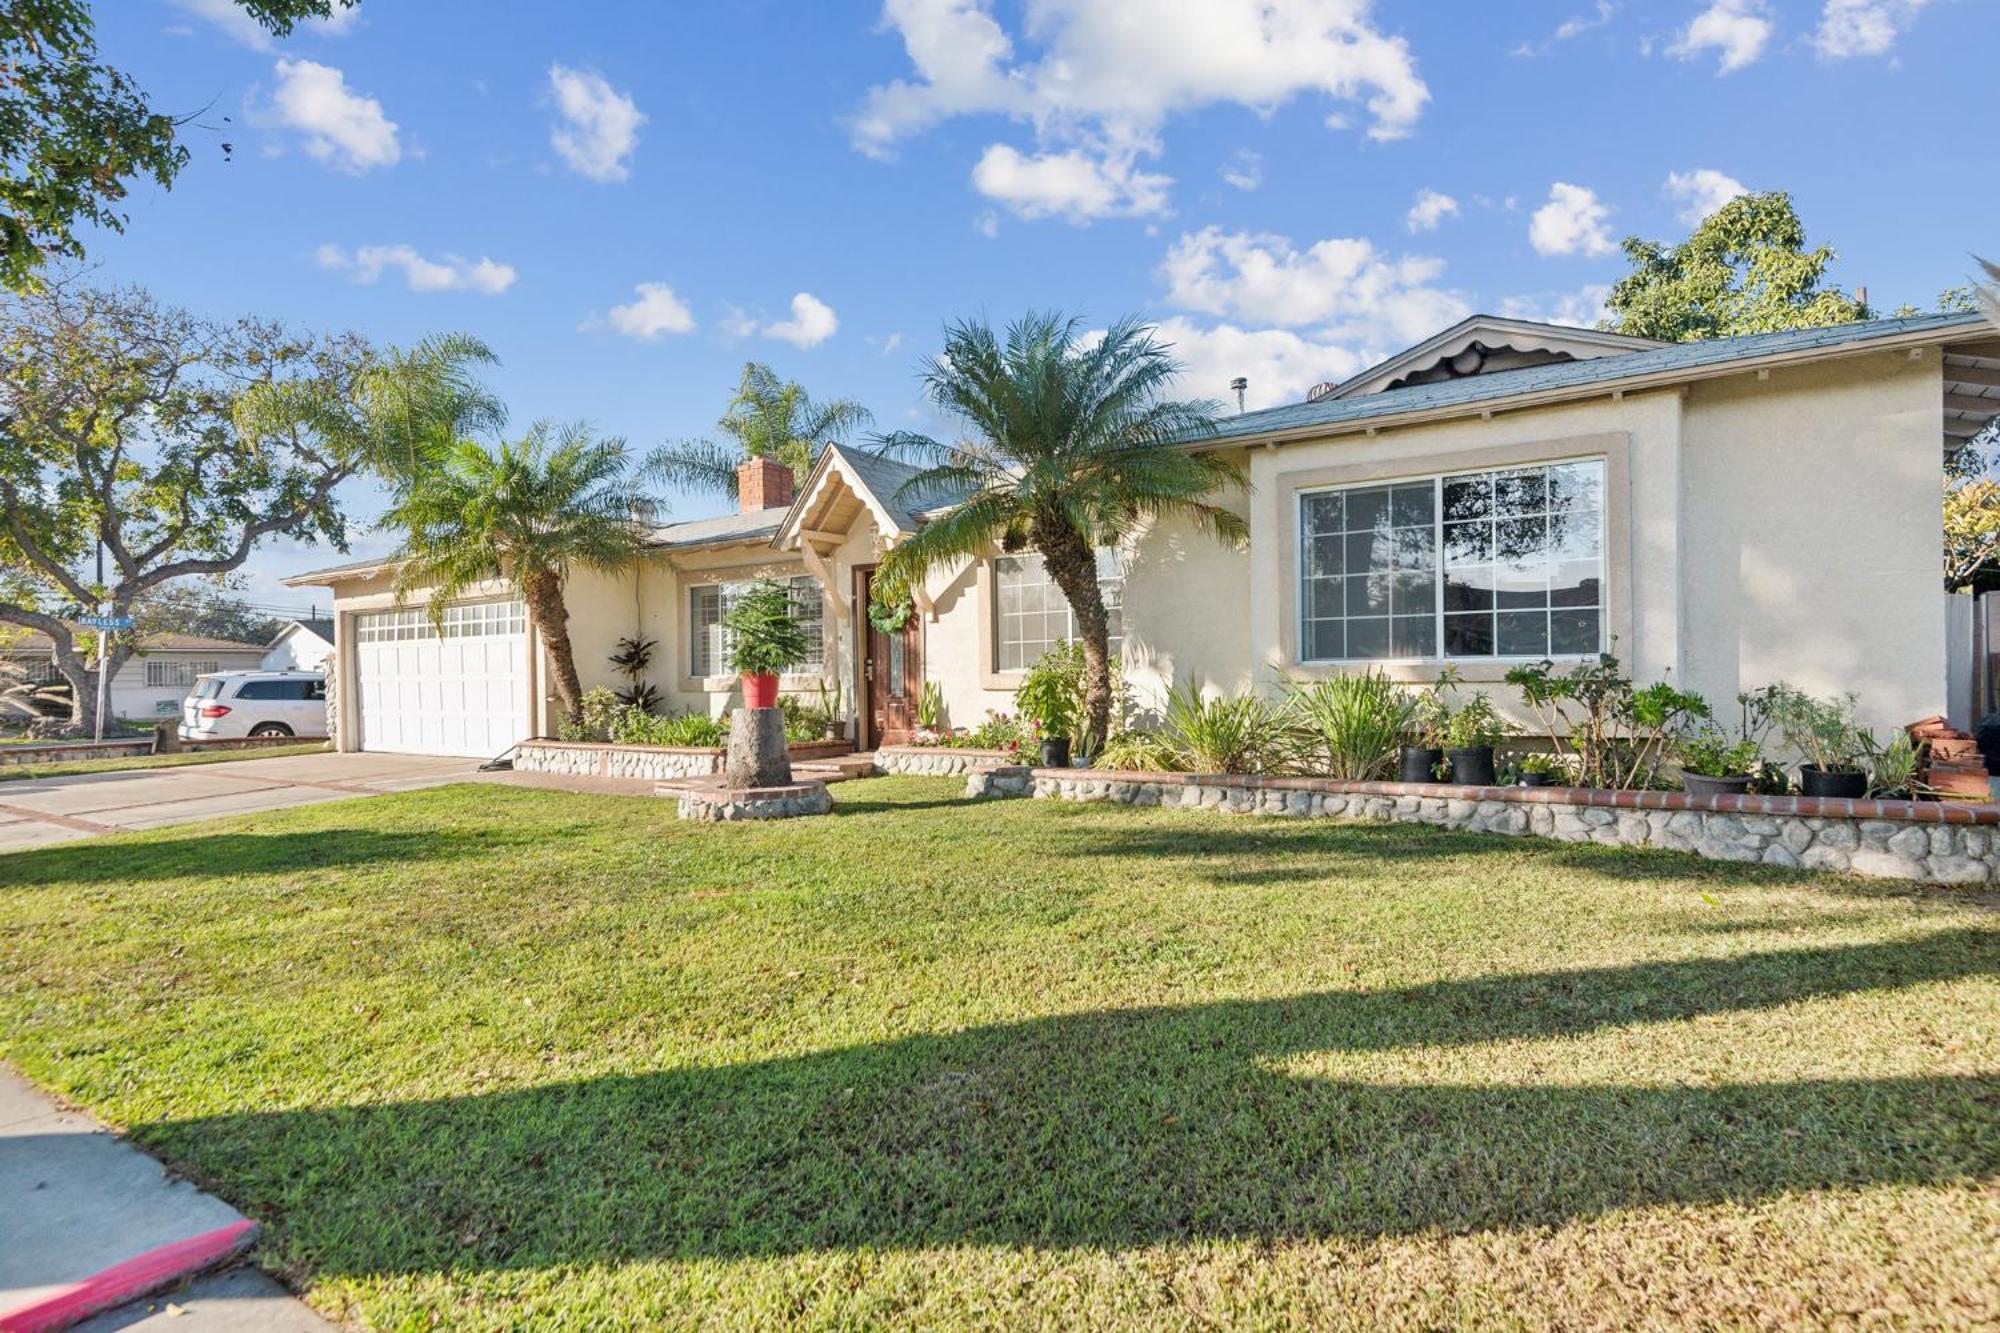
(708, 641)
(1499, 564)
(1033, 616)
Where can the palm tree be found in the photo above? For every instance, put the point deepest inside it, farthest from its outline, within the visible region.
(528, 512)
(1072, 446)
(767, 418)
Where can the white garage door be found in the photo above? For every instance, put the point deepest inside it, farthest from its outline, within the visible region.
(462, 692)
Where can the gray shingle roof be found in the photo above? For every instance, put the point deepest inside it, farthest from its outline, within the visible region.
(720, 529)
(1575, 374)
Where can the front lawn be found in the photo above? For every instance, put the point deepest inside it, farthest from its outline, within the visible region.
(486, 1056)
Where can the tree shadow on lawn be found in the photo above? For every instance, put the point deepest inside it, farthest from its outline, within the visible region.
(1110, 1129)
(208, 855)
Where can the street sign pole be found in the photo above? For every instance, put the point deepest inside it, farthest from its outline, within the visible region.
(103, 647)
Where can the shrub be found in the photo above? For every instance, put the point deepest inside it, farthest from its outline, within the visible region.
(1352, 724)
(1050, 694)
(1240, 734)
(1614, 735)
(635, 727)
(1712, 753)
(930, 707)
(597, 713)
(1824, 732)
(1139, 752)
(999, 731)
(1893, 767)
(1474, 725)
(1539, 762)
(766, 636)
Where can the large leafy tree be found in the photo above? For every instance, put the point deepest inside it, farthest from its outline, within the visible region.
(141, 440)
(1071, 445)
(528, 512)
(768, 417)
(1745, 269)
(211, 607)
(74, 132)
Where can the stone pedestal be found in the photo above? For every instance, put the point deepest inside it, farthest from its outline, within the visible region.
(757, 756)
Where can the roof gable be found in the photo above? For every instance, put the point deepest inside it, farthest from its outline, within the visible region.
(1483, 345)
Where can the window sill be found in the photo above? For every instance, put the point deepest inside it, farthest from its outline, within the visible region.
(1473, 670)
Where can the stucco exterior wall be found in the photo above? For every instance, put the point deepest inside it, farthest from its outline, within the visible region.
(1813, 542)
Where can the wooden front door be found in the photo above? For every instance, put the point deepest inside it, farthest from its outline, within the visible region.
(892, 672)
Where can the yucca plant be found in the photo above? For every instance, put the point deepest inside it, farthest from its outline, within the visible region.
(1353, 725)
(1228, 734)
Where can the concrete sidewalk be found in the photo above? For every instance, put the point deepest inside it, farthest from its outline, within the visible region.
(89, 1223)
(38, 811)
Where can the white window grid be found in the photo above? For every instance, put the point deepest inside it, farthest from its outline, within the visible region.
(709, 643)
(163, 674)
(1429, 633)
(462, 620)
(1031, 615)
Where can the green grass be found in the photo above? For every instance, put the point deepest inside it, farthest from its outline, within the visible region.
(63, 768)
(490, 1057)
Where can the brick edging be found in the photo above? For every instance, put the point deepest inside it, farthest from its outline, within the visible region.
(1809, 807)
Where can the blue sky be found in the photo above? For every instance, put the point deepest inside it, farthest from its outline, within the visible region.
(628, 201)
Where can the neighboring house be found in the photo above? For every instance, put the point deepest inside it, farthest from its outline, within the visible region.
(1720, 514)
(302, 645)
(153, 682)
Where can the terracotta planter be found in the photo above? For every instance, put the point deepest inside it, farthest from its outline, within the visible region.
(760, 691)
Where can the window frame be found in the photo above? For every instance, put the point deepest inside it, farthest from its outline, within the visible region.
(996, 617)
(1437, 477)
(185, 672)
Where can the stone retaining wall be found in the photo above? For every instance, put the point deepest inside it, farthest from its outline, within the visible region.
(1929, 841)
(725, 804)
(126, 747)
(657, 763)
(1001, 780)
(938, 761)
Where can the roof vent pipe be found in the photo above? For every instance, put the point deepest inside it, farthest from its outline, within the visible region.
(1241, 386)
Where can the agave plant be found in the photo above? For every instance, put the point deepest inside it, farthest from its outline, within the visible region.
(1228, 733)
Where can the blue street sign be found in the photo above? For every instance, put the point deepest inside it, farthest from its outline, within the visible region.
(105, 622)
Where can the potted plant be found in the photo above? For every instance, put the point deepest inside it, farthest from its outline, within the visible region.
(1712, 764)
(1538, 769)
(1422, 752)
(1047, 699)
(1470, 734)
(1828, 739)
(765, 638)
(1892, 767)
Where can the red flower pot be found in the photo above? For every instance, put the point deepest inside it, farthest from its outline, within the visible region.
(760, 691)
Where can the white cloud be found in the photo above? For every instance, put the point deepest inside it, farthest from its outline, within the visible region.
(811, 324)
(653, 310)
(1571, 222)
(1430, 209)
(1578, 24)
(597, 127)
(229, 17)
(1862, 27)
(342, 128)
(1280, 364)
(1244, 169)
(1071, 185)
(1581, 309)
(1702, 192)
(448, 274)
(1103, 76)
(1346, 286)
(884, 345)
(1736, 28)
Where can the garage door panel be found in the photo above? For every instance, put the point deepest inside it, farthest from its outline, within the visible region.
(465, 693)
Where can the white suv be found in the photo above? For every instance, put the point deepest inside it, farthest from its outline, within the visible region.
(255, 703)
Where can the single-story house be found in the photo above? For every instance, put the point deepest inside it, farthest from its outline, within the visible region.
(301, 645)
(153, 682)
(1720, 514)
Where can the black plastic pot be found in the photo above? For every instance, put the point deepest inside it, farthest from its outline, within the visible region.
(1697, 784)
(1473, 767)
(1533, 780)
(1420, 764)
(1838, 784)
(1055, 752)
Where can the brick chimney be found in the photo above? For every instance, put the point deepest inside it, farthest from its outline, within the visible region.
(763, 483)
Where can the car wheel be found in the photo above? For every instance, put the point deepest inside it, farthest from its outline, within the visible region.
(270, 729)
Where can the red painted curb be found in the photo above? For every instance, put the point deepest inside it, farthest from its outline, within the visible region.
(129, 1280)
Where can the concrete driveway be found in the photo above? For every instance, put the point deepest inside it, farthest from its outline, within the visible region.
(45, 810)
